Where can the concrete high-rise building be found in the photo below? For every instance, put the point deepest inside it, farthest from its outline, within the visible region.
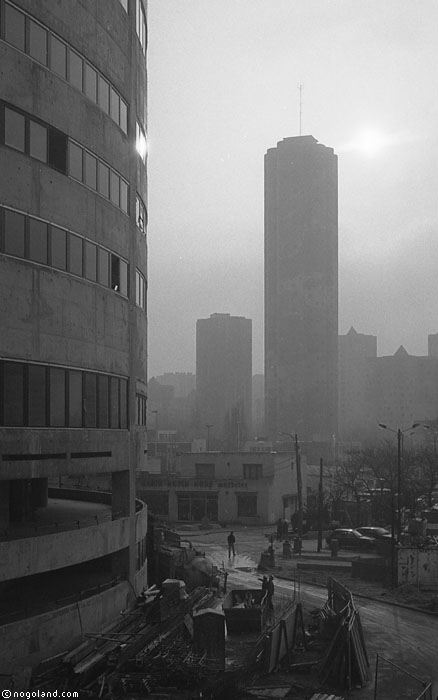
(301, 289)
(402, 390)
(73, 259)
(224, 376)
(355, 349)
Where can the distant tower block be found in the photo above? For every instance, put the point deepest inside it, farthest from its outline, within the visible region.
(301, 289)
(209, 635)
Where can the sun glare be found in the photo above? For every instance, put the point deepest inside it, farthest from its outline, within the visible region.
(370, 142)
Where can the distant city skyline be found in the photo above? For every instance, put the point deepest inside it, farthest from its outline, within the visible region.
(223, 88)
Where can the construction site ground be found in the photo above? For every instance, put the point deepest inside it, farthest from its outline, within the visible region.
(251, 542)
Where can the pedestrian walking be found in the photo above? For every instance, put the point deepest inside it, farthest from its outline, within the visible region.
(231, 542)
(279, 529)
(270, 592)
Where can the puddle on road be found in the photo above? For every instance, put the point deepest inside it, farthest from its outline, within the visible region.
(240, 562)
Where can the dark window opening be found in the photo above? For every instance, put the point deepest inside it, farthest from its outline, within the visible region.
(13, 393)
(90, 400)
(15, 225)
(57, 397)
(58, 150)
(38, 241)
(37, 396)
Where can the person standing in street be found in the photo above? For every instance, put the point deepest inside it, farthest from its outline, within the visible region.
(231, 541)
(270, 592)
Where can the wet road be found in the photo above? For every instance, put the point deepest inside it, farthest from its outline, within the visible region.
(405, 637)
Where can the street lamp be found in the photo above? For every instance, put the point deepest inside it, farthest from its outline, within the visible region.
(399, 434)
(208, 426)
(294, 439)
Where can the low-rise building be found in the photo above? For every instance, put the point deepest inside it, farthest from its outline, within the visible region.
(225, 487)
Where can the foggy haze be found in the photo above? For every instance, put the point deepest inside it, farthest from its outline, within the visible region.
(223, 77)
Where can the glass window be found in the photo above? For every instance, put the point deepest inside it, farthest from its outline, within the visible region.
(123, 196)
(58, 57)
(114, 402)
(38, 141)
(90, 82)
(14, 129)
(115, 188)
(76, 69)
(103, 397)
(37, 395)
(75, 255)
(90, 400)
(58, 150)
(13, 397)
(246, 504)
(38, 241)
(37, 42)
(124, 4)
(123, 116)
(57, 397)
(137, 288)
(75, 399)
(123, 403)
(90, 170)
(58, 248)
(75, 168)
(103, 267)
(114, 105)
(14, 27)
(15, 226)
(90, 261)
(115, 273)
(123, 278)
(204, 471)
(103, 179)
(103, 94)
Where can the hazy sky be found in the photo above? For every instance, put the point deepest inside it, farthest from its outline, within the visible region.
(223, 88)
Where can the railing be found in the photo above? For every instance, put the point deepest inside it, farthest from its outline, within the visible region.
(34, 530)
(26, 530)
(73, 598)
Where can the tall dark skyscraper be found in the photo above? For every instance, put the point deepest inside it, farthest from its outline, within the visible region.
(301, 288)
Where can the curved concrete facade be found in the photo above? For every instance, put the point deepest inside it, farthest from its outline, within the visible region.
(73, 269)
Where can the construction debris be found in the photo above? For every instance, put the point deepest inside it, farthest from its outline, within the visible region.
(346, 663)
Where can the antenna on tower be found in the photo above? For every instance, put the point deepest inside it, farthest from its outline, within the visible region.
(300, 88)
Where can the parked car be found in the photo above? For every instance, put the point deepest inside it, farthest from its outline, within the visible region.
(350, 539)
(379, 533)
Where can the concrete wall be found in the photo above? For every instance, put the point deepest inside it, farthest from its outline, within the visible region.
(29, 641)
(54, 317)
(418, 567)
(35, 555)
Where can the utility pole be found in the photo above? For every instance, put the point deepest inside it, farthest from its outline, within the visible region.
(320, 504)
(299, 487)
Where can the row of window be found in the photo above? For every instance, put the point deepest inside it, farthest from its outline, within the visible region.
(31, 37)
(93, 172)
(140, 289)
(196, 506)
(46, 396)
(39, 140)
(33, 239)
(207, 471)
(141, 25)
